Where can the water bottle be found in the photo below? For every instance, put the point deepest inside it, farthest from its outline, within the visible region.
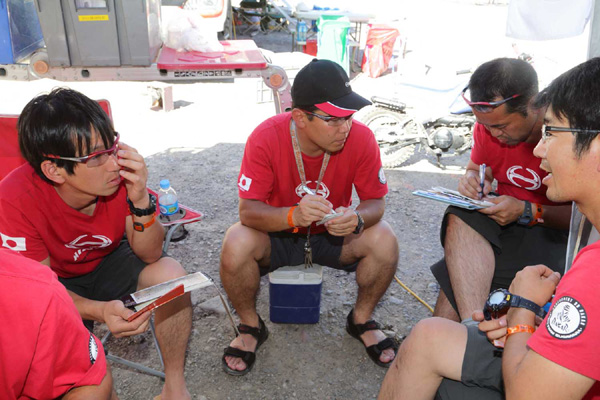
(167, 199)
(301, 34)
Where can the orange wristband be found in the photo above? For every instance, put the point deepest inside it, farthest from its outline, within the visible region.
(537, 217)
(140, 227)
(290, 219)
(519, 328)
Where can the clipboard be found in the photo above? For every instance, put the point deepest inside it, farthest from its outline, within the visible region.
(453, 198)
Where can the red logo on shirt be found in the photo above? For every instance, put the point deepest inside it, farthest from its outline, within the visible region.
(531, 181)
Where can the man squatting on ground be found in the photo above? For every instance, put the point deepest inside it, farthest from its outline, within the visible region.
(45, 350)
(319, 145)
(69, 208)
(487, 247)
(560, 359)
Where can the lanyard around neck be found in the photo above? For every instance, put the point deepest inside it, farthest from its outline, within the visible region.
(298, 157)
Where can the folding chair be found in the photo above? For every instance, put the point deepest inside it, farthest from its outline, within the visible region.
(10, 158)
(251, 10)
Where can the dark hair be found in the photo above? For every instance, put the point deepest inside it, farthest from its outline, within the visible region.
(574, 96)
(309, 108)
(60, 123)
(502, 78)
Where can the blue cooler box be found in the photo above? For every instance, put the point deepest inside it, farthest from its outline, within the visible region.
(295, 294)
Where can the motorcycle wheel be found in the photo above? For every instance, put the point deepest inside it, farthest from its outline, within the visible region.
(389, 127)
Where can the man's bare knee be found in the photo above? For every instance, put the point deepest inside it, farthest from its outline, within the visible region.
(241, 244)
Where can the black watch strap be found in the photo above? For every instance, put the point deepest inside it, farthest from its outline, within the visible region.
(360, 225)
(142, 212)
(520, 302)
(527, 216)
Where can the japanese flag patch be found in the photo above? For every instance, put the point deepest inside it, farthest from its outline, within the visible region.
(567, 319)
(381, 176)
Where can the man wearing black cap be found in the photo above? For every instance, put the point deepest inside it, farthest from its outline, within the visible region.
(297, 168)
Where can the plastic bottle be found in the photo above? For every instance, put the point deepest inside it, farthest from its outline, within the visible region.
(301, 32)
(167, 199)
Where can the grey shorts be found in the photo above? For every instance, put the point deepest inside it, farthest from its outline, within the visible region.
(515, 247)
(288, 249)
(481, 376)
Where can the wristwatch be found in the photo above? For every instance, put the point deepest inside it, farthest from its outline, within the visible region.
(500, 300)
(361, 223)
(527, 216)
(142, 212)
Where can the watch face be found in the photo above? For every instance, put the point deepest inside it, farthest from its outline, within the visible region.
(496, 298)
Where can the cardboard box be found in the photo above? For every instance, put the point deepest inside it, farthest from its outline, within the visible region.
(295, 294)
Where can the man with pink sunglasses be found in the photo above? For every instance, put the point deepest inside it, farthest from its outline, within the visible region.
(484, 249)
(80, 206)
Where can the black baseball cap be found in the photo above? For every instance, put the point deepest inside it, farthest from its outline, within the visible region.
(325, 85)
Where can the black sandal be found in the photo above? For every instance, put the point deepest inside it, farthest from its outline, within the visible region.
(374, 351)
(261, 334)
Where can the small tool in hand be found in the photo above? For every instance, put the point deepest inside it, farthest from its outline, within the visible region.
(481, 179)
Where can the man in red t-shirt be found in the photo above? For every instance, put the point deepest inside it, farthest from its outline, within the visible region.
(80, 206)
(559, 359)
(45, 350)
(299, 167)
(484, 249)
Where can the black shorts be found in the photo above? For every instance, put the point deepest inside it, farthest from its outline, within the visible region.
(515, 247)
(288, 249)
(481, 375)
(115, 276)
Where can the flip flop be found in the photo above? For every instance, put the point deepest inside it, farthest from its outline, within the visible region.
(374, 351)
(261, 334)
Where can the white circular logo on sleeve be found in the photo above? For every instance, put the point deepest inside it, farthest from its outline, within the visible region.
(93, 348)
(567, 319)
(381, 176)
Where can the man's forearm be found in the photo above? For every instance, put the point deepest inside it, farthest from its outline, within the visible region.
(515, 351)
(263, 217)
(371, 210)
(88, 309)
(147, 245)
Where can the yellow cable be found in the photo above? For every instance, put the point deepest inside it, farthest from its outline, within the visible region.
(413, 293)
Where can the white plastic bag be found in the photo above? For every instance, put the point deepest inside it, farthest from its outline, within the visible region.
(187, 32)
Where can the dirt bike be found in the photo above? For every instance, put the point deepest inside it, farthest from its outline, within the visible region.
(398, 131)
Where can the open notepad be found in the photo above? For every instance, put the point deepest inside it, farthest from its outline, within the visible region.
(452, 197)
(157, 295)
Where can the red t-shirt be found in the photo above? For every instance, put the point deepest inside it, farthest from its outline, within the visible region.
(269, 172)
(45, 350)
(515, 168)
(36, 222)
(569, 335)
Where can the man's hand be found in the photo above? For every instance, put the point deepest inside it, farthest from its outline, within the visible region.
(312, 208)
(507, 209)
(135, 174)
(469, 185)
(495, 329)
(536, 283)
(343, 225)
(115, 315)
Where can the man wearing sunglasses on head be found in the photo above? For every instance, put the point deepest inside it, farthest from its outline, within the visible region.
(80, 206)
(484, 249)
(298, 168)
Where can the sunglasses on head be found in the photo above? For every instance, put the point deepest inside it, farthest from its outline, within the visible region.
(94, 159)
(485, 106)
(331, 121)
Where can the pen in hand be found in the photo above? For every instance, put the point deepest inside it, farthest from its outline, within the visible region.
(481, 179)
